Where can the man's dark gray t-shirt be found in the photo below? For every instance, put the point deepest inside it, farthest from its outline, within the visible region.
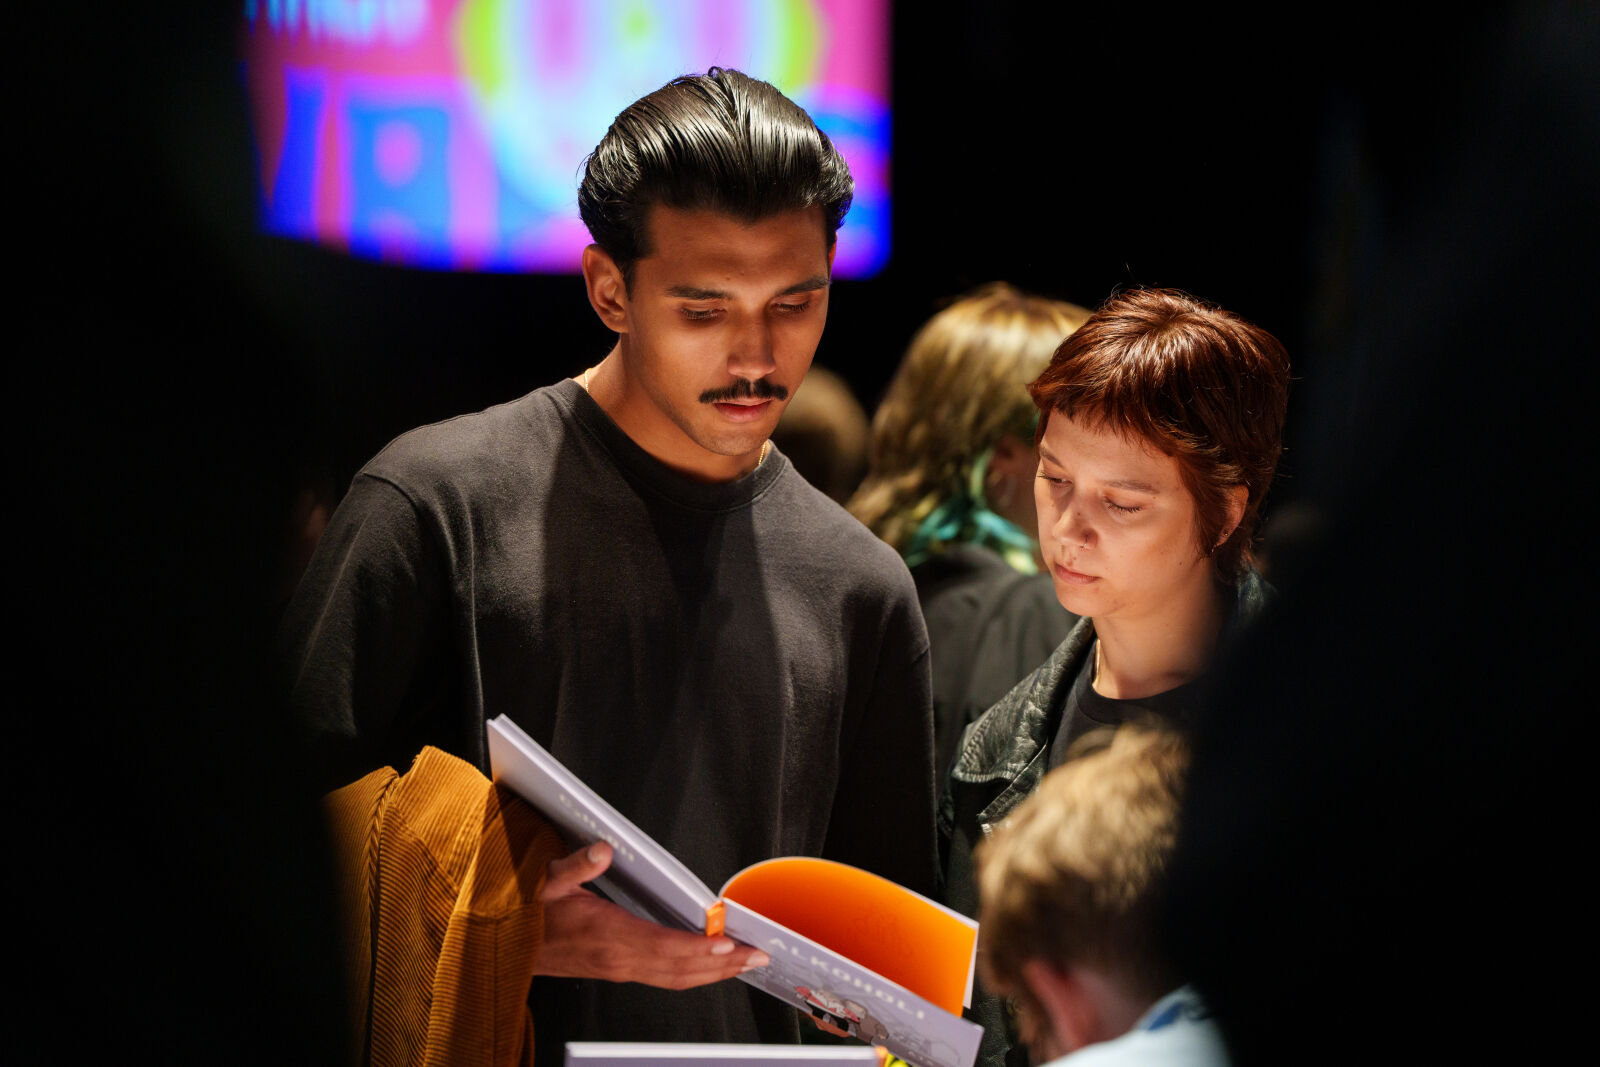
(741, 668)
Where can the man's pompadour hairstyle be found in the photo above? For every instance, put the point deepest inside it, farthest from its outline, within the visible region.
(720, 141)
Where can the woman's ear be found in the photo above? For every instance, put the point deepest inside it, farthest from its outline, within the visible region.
(608, 292)
(1238, 497)
(1012, 467)
(1011, 449)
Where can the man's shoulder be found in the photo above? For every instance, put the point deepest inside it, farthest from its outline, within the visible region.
(480, 446)
(1177, 1030)
(826, 536)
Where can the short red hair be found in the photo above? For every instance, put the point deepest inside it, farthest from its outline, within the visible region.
(1197, 383)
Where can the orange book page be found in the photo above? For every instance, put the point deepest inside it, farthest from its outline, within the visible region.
(878, 924)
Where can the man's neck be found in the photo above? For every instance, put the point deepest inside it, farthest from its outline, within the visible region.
(622, 400)
(1082, 1005)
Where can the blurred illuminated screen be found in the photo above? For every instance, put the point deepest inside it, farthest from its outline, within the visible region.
(449, 133)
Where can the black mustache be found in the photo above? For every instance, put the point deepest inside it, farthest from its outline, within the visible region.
(761, 389)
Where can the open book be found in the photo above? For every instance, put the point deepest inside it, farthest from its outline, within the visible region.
(647, 1054)
(857, 952)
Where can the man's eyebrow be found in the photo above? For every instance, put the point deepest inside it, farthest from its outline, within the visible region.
(810, 285)
(695, 292)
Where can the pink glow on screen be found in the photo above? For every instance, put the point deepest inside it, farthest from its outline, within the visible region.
(449, 133)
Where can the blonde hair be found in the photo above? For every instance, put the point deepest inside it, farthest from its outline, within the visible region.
(961, 387)
(1071, 877)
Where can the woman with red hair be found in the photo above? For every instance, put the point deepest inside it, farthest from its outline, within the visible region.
(1160, 425)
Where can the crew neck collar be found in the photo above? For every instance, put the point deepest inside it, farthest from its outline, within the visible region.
(649, 473)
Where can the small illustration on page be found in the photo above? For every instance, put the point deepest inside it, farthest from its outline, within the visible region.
(845, 1018)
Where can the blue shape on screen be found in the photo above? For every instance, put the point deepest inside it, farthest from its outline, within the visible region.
(517, 215)
(293, 186)
(868, 123)
(868, 236)
(410, 219)
(859, 126)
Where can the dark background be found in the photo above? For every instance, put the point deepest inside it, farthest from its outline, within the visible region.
(1069, 152)
(1407, 202)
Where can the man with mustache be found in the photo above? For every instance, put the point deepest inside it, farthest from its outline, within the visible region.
(624, 565)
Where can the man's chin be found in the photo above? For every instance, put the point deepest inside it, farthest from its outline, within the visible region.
(736, 439)
(733, 445)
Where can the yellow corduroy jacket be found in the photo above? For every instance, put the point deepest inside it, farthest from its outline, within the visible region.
(440, 875)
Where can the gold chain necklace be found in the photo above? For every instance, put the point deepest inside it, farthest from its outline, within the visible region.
(766, 446)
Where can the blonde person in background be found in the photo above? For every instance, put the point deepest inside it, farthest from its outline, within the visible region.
(823, 431)
(950, 487)
(1069, 886)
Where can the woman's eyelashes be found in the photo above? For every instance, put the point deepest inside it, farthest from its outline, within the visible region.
(1057, 482)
